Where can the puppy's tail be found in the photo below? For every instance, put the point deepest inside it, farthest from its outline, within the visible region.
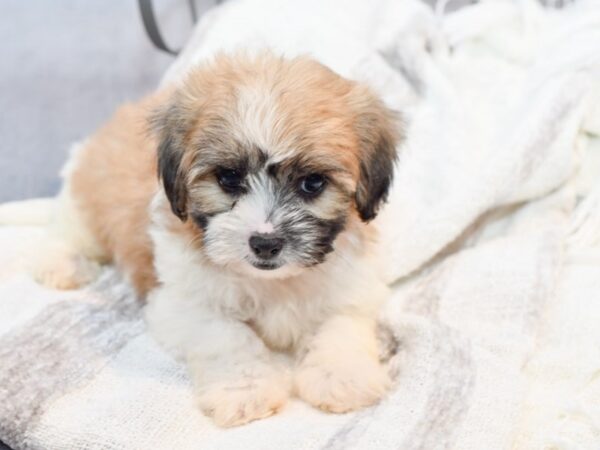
(38, 211)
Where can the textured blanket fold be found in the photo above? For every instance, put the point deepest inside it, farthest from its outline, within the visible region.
(491, 239)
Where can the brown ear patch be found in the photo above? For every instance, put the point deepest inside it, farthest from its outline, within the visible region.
(169, 168)
(170, 125)
(379, 133)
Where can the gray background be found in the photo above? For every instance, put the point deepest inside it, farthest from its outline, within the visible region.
(66, 65)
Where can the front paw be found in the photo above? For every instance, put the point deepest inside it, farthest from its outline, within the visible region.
(342, 384)
(239, 401)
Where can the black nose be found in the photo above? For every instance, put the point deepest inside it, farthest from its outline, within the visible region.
(266, 246)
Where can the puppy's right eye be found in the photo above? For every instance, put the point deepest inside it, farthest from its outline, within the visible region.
(312, 185)
(230, 180)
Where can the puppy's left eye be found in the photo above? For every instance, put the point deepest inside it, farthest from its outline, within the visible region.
(312, 185)
(230, 180)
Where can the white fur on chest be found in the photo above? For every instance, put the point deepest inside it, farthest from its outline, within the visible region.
(281, 311)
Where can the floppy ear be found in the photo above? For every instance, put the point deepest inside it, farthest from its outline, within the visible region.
(379, 131)
(169, 126)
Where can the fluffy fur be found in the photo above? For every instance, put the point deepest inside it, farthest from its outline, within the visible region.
(285, 151)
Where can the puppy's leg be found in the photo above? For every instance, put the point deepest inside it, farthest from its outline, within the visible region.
(341, 370)
(68, 256)
(59, 265)
(235, 379)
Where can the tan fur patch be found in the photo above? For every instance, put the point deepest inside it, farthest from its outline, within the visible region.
(113, 183)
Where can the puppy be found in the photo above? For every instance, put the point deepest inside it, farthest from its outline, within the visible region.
(254, 240)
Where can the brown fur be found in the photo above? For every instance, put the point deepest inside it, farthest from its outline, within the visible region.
(113, 183)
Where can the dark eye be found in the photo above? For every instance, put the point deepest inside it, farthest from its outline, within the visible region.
(230, 180)
(312, 185)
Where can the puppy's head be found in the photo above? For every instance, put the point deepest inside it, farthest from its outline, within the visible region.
(270, 158)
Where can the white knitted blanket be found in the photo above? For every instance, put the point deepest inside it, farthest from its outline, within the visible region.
(492, 237)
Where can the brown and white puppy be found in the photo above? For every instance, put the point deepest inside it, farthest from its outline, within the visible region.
(257, 240)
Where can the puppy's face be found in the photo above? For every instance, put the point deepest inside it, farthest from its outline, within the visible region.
(270, 158)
